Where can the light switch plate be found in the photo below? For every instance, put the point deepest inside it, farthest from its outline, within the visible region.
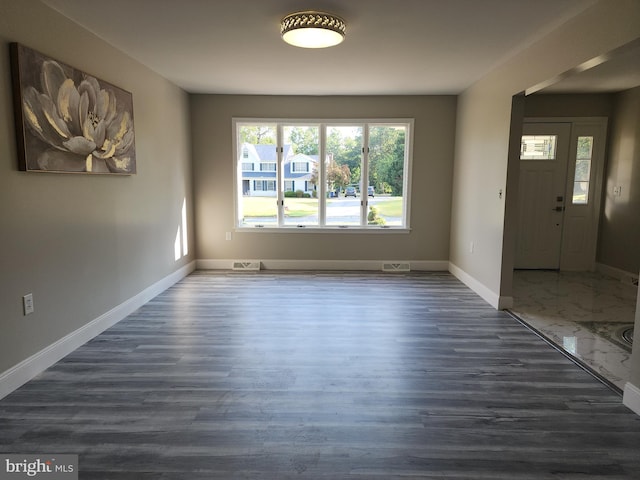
(27, 303)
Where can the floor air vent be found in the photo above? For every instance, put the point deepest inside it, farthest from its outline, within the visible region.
(246, 266)
(396, 267)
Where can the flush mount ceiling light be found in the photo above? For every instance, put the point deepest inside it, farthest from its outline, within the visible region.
(312, 29)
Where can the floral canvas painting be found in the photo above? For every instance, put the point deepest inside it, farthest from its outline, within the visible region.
(69, 121)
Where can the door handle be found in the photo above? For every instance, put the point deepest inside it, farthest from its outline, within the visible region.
(558, 209)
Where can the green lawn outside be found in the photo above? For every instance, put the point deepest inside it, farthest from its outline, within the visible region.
(302, 207)
(259, 207)
(391, 207)
(267, 207)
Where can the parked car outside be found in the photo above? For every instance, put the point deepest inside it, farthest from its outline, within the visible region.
(350, 192)
(370, 191)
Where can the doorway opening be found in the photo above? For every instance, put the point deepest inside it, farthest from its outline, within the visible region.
(556, 290)
(559, 195)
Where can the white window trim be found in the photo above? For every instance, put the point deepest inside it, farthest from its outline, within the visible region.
(322, 124)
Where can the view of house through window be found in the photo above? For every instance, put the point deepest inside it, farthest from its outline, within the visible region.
(322, 174)
(300, 168)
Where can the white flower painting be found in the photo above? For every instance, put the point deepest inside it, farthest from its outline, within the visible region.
(69, 121)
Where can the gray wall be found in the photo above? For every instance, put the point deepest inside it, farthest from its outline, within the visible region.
(84, 244)
(483, 132)
(213, 165)
(569, 105)
(618, 245)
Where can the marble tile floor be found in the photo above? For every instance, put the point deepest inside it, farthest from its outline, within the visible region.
(584, 314)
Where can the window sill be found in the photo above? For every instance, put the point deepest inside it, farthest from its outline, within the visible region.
(328, 229)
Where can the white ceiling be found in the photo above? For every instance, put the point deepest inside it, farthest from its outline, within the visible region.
(392, 46)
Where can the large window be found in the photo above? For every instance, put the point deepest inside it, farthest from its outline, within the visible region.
(323, 174)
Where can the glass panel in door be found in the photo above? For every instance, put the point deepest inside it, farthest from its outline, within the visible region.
(538, 147)
(582, 174)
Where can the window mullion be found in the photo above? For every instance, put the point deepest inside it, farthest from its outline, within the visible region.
(280, 173)
(364, 175)
(322, 167)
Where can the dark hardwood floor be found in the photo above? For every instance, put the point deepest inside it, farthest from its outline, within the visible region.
(322, 376)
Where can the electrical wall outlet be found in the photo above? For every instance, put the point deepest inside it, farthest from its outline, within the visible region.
(228, 236)
(617, 191)
(27, 303)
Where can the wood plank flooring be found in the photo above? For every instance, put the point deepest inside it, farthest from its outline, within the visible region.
(276, 375)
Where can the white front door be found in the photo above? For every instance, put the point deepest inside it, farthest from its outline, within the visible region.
(541, 194)
(561, 170)
(584, 186)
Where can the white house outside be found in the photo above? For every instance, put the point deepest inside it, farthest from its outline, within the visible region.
(259, 170)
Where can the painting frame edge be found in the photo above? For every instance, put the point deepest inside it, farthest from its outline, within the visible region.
(115, 130)
(17, 105)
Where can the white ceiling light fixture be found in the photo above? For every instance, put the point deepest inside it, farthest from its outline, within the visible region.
(311, 29)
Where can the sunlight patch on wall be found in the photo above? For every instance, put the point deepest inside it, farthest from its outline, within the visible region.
(185, 234)
(176, 245)
(181, 244)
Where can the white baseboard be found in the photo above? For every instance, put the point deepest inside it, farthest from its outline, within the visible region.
(346, 265)
(505, 302)
(631, 397)
(489, 296)
(622, 275)
(24, 371)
